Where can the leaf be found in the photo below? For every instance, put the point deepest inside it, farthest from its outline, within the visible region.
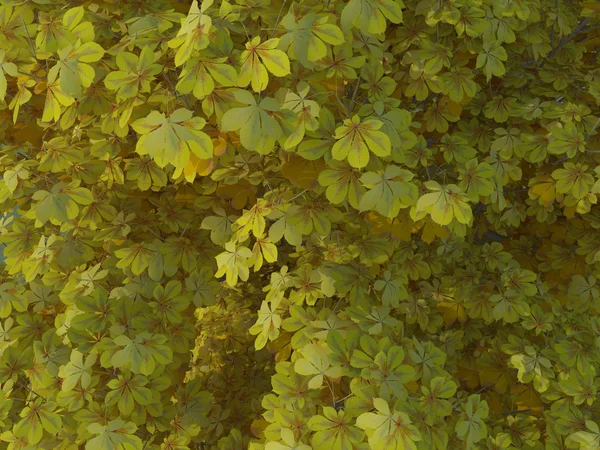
(307, 36)
(6, 67)
(257, 128)
(116, 435)
(73, 69)
(193, 34)
(471, 428)
(355, 139)
(388, 429)
(77, 371)
(371, 15)
(199, 77)
(172, 140)
(315, 362)
(259, 59)
(135, 74)
(491, 59)
(386, 195)
(445, 203)
(142, 354)
(232, 263)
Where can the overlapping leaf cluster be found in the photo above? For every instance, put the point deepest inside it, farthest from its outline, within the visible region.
(299, 224)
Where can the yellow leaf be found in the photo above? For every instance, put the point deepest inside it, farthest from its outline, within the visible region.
(412, 386)
(544, 189)
(239, 194)
(453, 311)
(594, 6)
(186, 194)
(527, 398)
(219, 145)
(302, 172)
(258, 427)
(569, 211)
(257, 59)
(197, 166)
(431, 230)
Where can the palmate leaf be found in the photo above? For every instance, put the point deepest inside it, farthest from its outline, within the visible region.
(171, 140)
(127, 391)
(142, 354)
(73, 69)
(388, 429)
(199, 76)
(266, 326)
(77, 371)
(388, 192)
(342, 182)
(289, 442)
(434, 401)
(260, 59)
(37, 417)
(588, 439)
(371, 15)
(355, 139)
(316, 363)
(567, 139)
(135, 75)
(232, 263)
(475, 179)
(334, 430)
(491, 59)
(258, 129)
(137, 258)
(445, 203)
(6, 67)
(471, 428)
(307, 37)
(61, 203)
(11, 297)
(116, 435)
(194, 32)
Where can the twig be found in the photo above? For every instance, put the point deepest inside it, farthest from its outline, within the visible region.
(30, 390)
(553, 25)
(298, 195)
(155, 234)
(29, 38)
(185, 229)
(558, 161)
(518, 411)
(148, 440)
(589, 135)
(351, 105)
(277, 21)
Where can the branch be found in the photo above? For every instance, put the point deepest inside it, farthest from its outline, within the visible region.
(564, 41)
(589, 135)
(277, 21)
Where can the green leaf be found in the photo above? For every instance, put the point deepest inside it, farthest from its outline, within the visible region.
(355, 139)
(257, 128)
(77, 371)
(116, 435)
(170, 140)
(388, 192)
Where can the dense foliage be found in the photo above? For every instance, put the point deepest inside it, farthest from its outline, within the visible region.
(320, 224)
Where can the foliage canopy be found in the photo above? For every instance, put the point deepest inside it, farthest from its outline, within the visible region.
(371, 223)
